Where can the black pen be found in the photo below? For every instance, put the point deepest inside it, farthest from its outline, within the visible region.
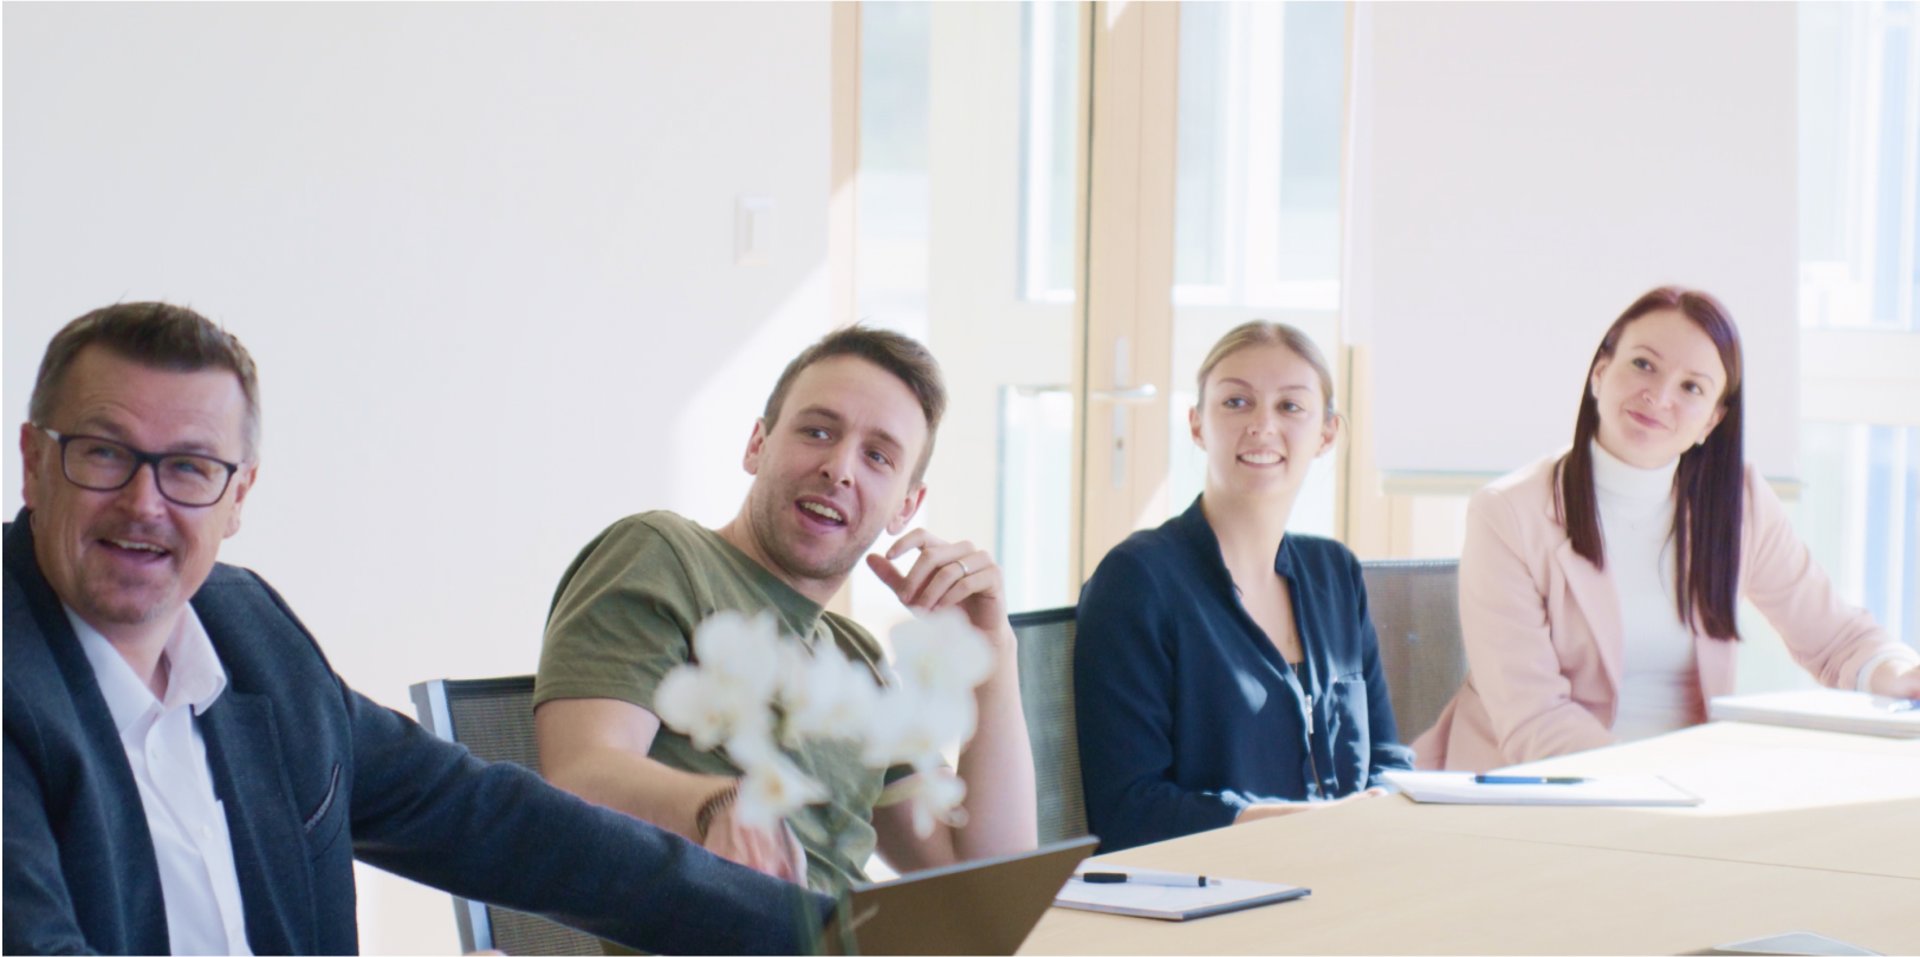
(1523, 779)
(1159, 880)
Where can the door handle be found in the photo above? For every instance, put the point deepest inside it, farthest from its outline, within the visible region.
(1120, 397)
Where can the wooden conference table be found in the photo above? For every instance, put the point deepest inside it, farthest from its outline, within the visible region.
(1800, 830)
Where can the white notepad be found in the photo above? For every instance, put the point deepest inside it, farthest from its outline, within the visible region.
(1171, 903)
(1821, 709)
(1458, 787)
(1799, 943)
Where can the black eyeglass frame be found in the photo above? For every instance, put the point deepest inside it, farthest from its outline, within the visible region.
(140, 457)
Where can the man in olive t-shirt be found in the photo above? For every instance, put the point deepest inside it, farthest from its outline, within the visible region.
(621, 620)
(837, 457)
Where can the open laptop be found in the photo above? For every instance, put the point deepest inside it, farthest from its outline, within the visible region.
(977, 907)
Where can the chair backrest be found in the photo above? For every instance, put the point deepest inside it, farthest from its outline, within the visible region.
(1046, 694)
(493, 717)
(1415, 606)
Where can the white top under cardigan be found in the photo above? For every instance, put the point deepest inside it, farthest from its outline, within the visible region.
(1659, 680)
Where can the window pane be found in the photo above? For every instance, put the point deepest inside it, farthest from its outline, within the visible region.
(1310, 147)
(1262, 103)
(1049, 89)
(1036, 506)
(1825, 118)
(1859, 132)
(1893, 179)
(965, 241)
(1257, 187)
(894, 200)
(1859, 152)
(1860, 516)
(1200, 206)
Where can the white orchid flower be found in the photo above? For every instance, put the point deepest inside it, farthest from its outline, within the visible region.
(724, 692)
(914, 725)
(689, 703)
(824, 694)
(936, 793)
(744, 677)
(941, 652)
(772, 787)
(742, 652)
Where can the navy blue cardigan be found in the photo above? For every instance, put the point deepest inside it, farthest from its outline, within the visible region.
(313, 776)
(1186, 711)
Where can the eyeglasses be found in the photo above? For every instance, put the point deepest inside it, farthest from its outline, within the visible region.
(104, 465)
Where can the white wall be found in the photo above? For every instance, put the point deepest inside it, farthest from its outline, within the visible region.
(483, 256)
(1525, 171)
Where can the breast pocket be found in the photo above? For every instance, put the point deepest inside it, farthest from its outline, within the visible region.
(326, 816)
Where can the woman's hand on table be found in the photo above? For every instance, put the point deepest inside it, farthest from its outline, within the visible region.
(1896, 679)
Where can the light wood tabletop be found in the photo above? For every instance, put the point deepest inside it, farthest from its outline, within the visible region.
(1800, 831)
(1772, 795)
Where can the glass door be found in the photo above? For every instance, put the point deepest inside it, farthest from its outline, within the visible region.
(972, 120)
(1069, 203)
(1257, 205)
(1216, 197)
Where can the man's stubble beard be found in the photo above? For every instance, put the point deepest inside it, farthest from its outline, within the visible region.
(765, 511)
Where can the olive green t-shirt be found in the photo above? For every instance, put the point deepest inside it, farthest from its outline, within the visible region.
(624, 615)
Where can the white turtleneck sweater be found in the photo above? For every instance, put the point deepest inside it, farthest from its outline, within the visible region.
(1659, 679)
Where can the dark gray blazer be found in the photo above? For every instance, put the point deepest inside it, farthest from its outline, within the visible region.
(312, 776)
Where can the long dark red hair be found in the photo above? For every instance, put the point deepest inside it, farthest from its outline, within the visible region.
(1708, 486)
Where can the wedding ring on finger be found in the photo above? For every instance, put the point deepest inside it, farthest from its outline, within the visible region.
(963, 567)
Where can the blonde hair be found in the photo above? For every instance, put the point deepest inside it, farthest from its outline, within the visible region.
(1261, 332)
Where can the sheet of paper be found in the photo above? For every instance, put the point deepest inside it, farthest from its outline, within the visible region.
(1458, 787)
(1171, 903)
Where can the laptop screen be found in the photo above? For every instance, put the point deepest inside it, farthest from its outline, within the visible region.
(975, 907)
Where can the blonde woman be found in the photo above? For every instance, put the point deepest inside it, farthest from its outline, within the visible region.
(1226, 670)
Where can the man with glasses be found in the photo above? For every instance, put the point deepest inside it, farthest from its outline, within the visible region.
(184, 772)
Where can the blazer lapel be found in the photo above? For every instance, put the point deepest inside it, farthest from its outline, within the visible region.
(1592, 590)
(269, 852)
(137, 869)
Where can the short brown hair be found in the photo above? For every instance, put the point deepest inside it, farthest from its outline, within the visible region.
(155, 334)
(905, 357)
(1261, 332)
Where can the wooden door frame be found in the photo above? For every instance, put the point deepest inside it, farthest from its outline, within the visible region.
(1128, 279)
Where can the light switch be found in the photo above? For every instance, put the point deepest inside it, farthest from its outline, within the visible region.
(752, 230)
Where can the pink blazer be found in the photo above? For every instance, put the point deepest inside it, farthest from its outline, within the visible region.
(1543, 636)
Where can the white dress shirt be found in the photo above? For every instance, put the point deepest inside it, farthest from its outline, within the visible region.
(169, 760)
(1659, 679)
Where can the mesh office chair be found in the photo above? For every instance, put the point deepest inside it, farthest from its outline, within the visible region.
(493, 717)
(1046, 692)
(1415, 605)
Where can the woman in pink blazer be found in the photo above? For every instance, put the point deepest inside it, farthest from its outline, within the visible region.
(1597, 586)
